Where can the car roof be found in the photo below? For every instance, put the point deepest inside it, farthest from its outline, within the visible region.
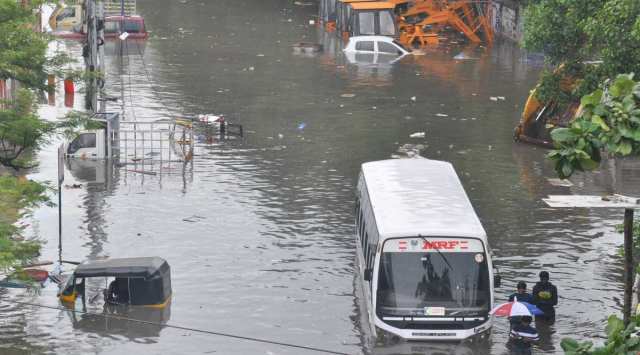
(419, 197)
(371, 38)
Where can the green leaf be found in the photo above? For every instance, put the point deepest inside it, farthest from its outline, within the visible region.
(562, 135)
(600, 122)
(588, 164)
(592, 99)
(566, 169)
(624, 148)
(622, 86)
(614, 326)
(628, 103)
(625, 131)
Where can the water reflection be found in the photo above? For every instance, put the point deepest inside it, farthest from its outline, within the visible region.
(139, 324)
(477, 346)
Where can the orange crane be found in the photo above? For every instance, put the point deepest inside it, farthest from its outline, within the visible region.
(469, 17)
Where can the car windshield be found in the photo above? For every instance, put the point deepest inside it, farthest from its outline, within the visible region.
(453, 283)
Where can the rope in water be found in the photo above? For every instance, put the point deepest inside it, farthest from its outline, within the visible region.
(227, 335)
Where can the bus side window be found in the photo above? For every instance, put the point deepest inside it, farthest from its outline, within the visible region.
(365, 244)
(358, 215)
(361, 225)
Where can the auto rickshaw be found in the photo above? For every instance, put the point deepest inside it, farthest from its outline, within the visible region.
(144, 281)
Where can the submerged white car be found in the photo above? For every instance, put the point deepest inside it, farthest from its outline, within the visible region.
(376, 44)
(375, 50)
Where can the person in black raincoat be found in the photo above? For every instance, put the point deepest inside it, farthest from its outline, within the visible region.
(545, 296)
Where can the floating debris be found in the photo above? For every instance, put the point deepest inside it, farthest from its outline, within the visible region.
(417, 135)
(348, 95)
(194, 218)
(559, 182)
(442, 115)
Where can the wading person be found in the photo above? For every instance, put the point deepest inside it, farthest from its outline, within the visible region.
(522, 337)
(521, 294)
(545, 296)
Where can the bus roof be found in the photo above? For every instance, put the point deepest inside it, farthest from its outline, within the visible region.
(372, 5)
(419, 197)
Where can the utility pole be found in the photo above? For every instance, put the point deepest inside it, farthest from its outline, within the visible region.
(101, 69)
(93, 63)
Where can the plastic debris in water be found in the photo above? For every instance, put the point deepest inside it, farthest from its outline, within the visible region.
(493, 98)
(462, 56)
(417, 135)
(442, 115)
(348, 95)
(301, 126)
(413, 98)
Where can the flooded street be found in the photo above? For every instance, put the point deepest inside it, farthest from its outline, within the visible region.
(259, 231)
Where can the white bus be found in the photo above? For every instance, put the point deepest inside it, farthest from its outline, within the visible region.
(424, 261)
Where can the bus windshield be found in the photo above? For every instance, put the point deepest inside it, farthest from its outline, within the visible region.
(433, 281)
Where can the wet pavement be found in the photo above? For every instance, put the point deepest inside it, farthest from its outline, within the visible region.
(258, 231)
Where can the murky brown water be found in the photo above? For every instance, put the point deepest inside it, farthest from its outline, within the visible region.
(270, 250)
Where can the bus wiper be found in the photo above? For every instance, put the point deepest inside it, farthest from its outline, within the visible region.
(440, 253)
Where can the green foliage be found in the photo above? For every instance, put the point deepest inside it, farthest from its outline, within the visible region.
(17, 197)
(612, 36)
(22, 50)
(21, 130)
(610, 120)
(621, 340)
(556, 28)
(636, 242)
(573, 32)
(549, 88)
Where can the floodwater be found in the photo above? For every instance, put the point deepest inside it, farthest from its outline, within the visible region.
(258, 231)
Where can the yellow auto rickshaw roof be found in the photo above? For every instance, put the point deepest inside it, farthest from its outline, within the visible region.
(378, 5)
(352, 1)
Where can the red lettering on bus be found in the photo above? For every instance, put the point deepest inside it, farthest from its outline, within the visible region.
(444, 244)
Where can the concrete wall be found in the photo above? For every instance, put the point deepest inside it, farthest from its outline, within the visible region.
(507, 19)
